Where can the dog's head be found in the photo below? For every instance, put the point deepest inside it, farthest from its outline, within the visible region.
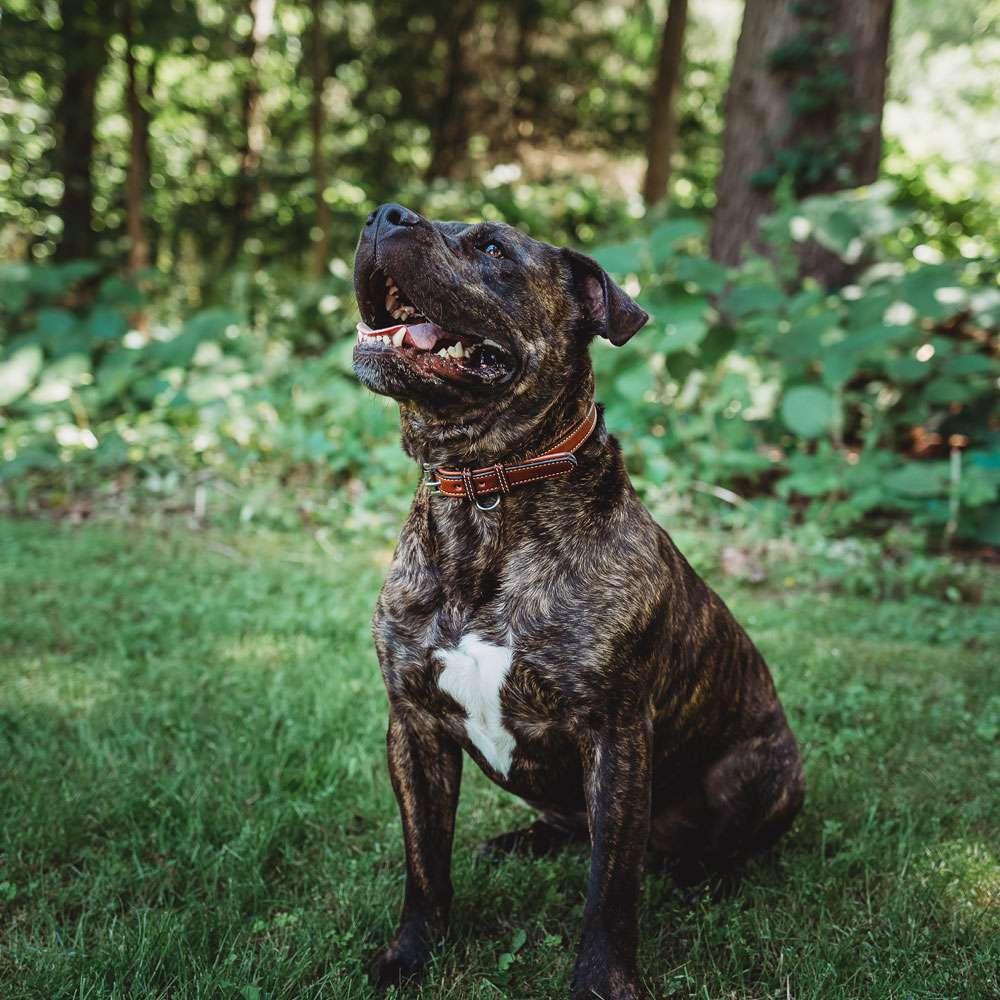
(477, 319)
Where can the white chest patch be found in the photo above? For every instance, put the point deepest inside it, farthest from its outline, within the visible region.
(474, 672)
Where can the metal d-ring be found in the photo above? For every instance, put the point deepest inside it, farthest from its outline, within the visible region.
(492, 506)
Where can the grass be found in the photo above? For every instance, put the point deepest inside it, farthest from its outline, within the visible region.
(195, 804)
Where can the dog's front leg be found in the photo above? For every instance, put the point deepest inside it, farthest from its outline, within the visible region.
(426, 770)
(617, 774)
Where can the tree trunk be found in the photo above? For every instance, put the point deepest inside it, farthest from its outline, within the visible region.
(517, 25)
(83, 44)
(663, 105)
(138, 166)
(321, 250)
(254, 129)
(804, 107)
(449, 134)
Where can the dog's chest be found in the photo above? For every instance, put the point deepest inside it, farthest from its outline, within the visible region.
(473, 674)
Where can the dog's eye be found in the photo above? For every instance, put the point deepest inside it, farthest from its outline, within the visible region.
(491, 249)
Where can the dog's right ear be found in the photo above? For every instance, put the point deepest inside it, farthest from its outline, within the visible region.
(607, 309)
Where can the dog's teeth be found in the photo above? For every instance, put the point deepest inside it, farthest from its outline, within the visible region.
(443, 353)
(397, 337)
(455, 350)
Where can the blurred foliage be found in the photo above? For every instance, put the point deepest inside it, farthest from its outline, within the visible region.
(552, 91)
(754, 396)
(861, 406)
(584, 88)
(853, 409)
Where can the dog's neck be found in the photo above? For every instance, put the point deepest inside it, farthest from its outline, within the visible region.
(495, 434)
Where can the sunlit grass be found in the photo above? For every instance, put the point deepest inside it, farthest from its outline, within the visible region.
(195, 804)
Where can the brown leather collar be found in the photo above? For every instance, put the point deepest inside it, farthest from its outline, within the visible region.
(461, 484)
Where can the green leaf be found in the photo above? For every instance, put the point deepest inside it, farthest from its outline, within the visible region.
(53, 324)
(116, 292)
(59, 378)
(18, 373)
(969, 364)
(684, 334)
(623, 258)
(749, 299)
(984, 525)
(836, 232)
(26, 460)
(211, 323)
(905, 369)
(664, 238)
(807, 410)
(105, 324)
(842, 360)
(803, 343)
(635, 383)
(701, 271)
(918, 479)
(947, 390)
(682, 317)
(919, 288)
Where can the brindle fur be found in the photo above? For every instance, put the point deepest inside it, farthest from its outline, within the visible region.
(643, 713)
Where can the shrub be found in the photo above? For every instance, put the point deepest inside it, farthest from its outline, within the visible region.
(855, 408)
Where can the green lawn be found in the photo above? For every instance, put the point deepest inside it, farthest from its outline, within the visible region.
(195, 804)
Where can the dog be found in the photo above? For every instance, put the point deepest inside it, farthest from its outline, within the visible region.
(535, 616)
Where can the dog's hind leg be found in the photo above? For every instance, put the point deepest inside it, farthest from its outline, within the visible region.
(549, 834)
(746, 801)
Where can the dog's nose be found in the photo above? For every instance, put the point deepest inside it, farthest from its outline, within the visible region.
(392, 216)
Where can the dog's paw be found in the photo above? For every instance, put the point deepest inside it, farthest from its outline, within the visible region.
(594, 977)
(537, 841)
(616, 989)
(396, 966)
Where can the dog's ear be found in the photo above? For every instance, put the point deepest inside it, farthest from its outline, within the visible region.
(608, 310)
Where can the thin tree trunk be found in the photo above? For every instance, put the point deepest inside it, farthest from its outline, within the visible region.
(663, 105)
(138, 167)
(517, 24)
(449, 135)
(763, 127)
(254, 128)
(83, 43)
(321, 249)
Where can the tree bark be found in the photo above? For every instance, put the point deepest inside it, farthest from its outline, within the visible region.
(449, 134)
(254, 128)
(83, 44)
(662, 139)
(318, 66)
(138, 166)
(764, 129)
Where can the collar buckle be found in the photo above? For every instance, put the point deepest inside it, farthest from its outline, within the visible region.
(430, 482)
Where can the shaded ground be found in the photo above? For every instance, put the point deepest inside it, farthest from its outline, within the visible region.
(193, 801)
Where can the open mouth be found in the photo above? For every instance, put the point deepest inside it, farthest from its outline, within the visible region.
(401, 328)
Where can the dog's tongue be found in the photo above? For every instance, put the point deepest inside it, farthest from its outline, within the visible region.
(422, 335)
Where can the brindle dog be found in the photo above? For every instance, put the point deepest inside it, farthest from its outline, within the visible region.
(560, 639)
